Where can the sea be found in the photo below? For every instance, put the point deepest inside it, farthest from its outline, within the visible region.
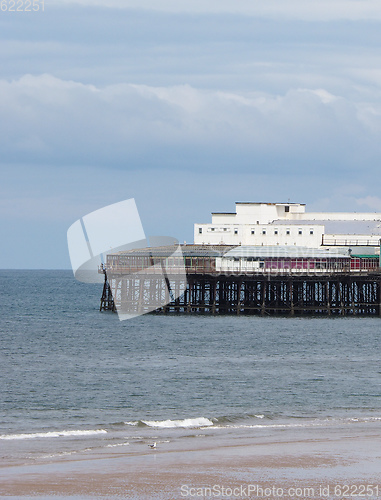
(75, 379)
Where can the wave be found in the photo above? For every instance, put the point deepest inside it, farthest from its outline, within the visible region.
(53, 434)
(364, 419)
(324, 422)
(185, 423)
(197, 422)
(255, 421)
(239, 418)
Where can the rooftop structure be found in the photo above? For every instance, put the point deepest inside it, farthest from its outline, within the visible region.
(288, 224)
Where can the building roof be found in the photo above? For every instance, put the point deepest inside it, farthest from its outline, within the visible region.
(365, 256)
(291, 252)
(230, 251)
(224, 213)
(267, 203)
(187, 251)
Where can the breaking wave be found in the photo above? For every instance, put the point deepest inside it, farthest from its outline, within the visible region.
(186, 423)
(53, 434)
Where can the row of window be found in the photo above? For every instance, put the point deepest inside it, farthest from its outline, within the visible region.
(264, 231)
(288, 232)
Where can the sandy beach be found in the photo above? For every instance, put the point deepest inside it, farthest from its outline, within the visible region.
(339, 464)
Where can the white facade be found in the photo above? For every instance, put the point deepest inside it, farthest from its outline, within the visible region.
(288, 224)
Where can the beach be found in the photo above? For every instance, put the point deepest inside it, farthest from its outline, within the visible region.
(324, 462)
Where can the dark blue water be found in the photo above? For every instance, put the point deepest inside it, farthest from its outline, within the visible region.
(66, 366)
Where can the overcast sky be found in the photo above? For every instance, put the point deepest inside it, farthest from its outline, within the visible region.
(186, 106)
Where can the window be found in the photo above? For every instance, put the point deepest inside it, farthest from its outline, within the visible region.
(252, 231)
(212, 228)
(235, 231)
(276, 231)
(263, 231)
(288, 232)
(286, 208)
(311, 231)
(300, 231)
(200, 230)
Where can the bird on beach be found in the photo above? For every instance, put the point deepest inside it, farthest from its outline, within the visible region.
(152, 446)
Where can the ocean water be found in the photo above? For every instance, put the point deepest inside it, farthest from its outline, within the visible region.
(74, 379)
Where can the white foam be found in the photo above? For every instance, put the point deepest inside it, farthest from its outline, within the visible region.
(185, 423)
(258, 426)
(53, 434)
(314, 423)
(365, 419)
(117, 445)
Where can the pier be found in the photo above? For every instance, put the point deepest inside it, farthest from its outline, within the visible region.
(218, 281)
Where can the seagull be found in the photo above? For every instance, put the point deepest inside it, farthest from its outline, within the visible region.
(152, 446)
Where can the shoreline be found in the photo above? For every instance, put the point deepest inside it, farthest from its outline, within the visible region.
(190, 469)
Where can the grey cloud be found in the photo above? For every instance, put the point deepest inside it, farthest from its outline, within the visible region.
(48, 120)
(95, 44)
(293, 9)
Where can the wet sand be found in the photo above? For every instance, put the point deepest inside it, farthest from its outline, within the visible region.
(320, 466)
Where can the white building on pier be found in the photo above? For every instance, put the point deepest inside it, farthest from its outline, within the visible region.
(288, 224)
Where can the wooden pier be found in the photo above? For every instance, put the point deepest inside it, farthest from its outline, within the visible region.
(282, 295)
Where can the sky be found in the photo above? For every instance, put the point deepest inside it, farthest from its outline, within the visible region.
(187, 107)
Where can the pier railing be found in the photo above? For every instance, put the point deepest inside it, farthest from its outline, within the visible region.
(330, 241)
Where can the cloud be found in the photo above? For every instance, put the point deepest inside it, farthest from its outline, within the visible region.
(322, 10)
(104, 46)
(49, 120)
(372, 203)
